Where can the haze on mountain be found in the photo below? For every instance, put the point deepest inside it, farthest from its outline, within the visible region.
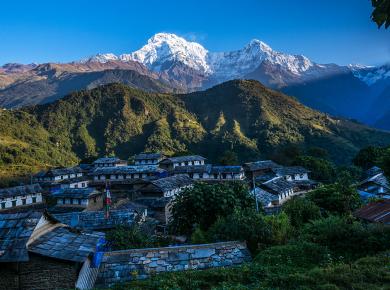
(169, 63)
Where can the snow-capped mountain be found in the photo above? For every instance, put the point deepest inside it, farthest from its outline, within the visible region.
(371, 75)
(165, 51)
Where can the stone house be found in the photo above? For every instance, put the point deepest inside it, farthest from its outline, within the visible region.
(78, 199)
(109, 162)
(375, 212)
(374, 185)
(126, 173)
(209, 172)
(96, 220)
(38, 252)
(148, 158)
(280, 188)
(58, 174)
(171, 162)
(259, 168)
(292, 173)
(21, 196)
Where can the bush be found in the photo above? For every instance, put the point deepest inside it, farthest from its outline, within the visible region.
(300, 211)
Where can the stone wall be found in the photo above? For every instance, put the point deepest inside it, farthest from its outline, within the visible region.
(38, 273)
(122, 266)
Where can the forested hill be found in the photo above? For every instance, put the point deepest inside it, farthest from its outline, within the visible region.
(239, 116)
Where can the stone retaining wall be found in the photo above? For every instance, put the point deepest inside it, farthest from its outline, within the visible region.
(122, 266)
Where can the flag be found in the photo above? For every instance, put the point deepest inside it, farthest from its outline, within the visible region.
(107, 202)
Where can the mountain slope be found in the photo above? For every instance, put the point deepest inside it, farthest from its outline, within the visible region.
(52, 82)
(242, 116)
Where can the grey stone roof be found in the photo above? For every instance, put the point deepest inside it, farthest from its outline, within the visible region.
(172, 182)
(20, 190)
(127, 169)
(73, 180)
(15, 230)
(264, 197)
(66, 243)
(132, 206)
(59, 171)
(290, 170)
(261, 165)
(373, 171)
(379, 179)
(95, 220)
(148, 156)
(107, 160)
(227, 169)
(206, 168)
(183, 159)
(76, 192)
(278, 185)
(161, 202)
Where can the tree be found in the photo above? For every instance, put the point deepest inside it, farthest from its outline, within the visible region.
(300, 211)
(385, 162)
(381, 12)
(228, 158)
(245, 225)
(280, 228)
(203, 204)
(123, 238)
(338, 198)
(368, 157)
(321, 169)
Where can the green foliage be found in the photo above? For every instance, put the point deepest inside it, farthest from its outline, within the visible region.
(281, 229)
(204, 203)
(346, 238)
(381, 13)
(385, 162)
(132, 237)
(199, 236)
(338, 198)
(242, 225)
(300, 211)
(368, 157)
(229, 158)
(321, 169)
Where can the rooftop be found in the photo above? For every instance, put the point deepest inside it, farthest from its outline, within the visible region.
(378, 212)
(59, 171)
(128, 169)
(278, 185)
(261, 165)
(290, 170)
(95, 220)
(148, 156)
(172, 182)
(76, 192)
(107, 160)
(183, 159)
(379, 179)
(20, 190)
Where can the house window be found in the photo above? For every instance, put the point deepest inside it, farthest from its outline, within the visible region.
(3, 205)
(76, 186)
(34, 199)
(24, 201)
(79, 201)
(13, 203)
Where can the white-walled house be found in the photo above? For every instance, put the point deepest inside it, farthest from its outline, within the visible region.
(58, 174)
(208, 172)
(282, 190)
(23, 195)
(109, 162)
(120, 174)
(172, 162)
(148, 158)
(292, 173)
(78, 197)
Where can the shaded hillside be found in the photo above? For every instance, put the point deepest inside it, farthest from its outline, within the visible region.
(51, 82)
(242, 116)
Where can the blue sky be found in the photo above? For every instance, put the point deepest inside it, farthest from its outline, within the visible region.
(338, 31)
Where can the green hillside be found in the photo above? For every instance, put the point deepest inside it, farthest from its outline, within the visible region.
(240, 116)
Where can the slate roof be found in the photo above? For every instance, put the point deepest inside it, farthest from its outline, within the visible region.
(15, 230)
(107, 160)
(261, 165)
(183, 159)
(264, 197)
(290, 170)
(59, 171)
(76, 192)
(66, 243)
(378, 212)
(128, 169)
(379, 179)
(132, 206)
(278, 185)
(172, 182)
(227, 169)
(373, 171)
(206, 168)
(148, 156)
(20, 190)
(73, 180)
(95, 220)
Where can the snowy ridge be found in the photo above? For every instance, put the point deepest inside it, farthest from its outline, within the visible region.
(163, 50)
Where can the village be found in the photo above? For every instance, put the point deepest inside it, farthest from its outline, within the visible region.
(53, 230)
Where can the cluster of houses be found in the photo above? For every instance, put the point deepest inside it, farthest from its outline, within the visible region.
(151, 182)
